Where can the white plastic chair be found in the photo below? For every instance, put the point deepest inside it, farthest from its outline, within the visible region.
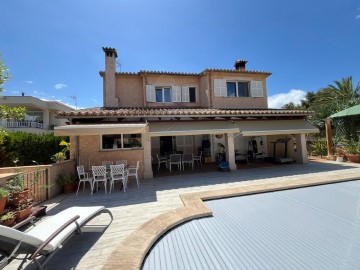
(188, 159)
(118, 172)
(133, 171)
(99, 175)
(161, 160)
(83, 178)
(175, 159)
(107, 163)
(118, 162)
(198, 158)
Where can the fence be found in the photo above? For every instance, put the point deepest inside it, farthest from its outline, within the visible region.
(38, 183)
(24, 125)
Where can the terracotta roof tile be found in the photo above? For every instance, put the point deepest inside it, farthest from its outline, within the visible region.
(153, 112)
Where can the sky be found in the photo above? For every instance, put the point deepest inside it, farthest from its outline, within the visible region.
(53, 48)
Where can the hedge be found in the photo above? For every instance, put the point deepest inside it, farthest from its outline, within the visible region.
(26, 147)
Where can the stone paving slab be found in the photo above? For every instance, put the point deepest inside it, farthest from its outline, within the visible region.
(95, 248)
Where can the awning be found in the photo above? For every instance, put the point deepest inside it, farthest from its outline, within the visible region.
(191, 128)
(274, 127)
(355, 110)
(76, 130)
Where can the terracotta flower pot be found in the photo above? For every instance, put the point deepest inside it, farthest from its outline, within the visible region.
(353, 158)
(8, 222)
(18, 197)
(69, 188)
(2, 203)
(22, 214)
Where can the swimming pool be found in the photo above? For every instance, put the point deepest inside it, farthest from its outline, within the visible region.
(306, 228)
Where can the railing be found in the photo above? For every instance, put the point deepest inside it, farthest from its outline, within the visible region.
(24, 125)
(38, 183)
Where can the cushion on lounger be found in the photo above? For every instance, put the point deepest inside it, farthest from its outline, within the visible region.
(10, 233)
(49, 225)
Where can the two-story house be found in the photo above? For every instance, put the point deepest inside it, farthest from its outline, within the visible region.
(40, 114)
(152, 112)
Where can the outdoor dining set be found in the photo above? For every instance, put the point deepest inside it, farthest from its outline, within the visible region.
(108, 173)
(180, 160)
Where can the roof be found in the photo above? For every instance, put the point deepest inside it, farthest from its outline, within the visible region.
(31, 102)
(304, 228)
(355, 110)
(191, 112)
(102, 73)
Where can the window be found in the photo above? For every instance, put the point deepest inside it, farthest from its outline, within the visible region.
(192, 94)
(237, 89)
(163, 94)
(174, 93)
(120, 141)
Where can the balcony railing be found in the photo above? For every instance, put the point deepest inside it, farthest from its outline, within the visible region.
(25, 124)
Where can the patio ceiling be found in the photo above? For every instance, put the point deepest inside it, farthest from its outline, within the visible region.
(191, 128)
(76, 130)
(275, 127)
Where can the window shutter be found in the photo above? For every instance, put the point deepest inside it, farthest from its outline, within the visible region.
(220, 88)
(176, 94)
(150, 93)
(185, 94)
(256, 89)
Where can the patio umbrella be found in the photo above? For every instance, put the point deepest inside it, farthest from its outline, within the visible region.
(355, 110)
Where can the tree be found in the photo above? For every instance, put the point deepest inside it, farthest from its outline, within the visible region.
(343, 94)
(6, 112)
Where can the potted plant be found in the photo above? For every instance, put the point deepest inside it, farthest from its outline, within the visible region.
(17, 190)
(3, 198)
(352, 150)
(7, 219)
(23, 210)
(67, 181)
(135, 143)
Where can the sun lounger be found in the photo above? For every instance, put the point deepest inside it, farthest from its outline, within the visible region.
(46, 237)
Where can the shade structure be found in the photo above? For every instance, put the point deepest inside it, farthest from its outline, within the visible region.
(77, 130)
(275, 127)
(355, 110)
(191, 128)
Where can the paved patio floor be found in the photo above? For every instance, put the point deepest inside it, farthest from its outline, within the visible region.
(156, 196)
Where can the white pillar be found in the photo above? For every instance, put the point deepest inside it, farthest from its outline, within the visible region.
(230, 150)
(46, 119)
(301, 151)
(146, 142)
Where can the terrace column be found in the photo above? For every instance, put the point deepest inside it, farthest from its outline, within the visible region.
(46, 119)
(146, 142)
(329, 139)
(230, 150)
(301, 151)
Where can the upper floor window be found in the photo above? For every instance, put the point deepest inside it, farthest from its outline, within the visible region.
(171, 94)
(120, 141)
(163, 94)
(237, 88)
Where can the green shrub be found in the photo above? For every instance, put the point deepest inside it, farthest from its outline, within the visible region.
(27, 147)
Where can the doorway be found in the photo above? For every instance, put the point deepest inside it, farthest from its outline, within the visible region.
(166, 145)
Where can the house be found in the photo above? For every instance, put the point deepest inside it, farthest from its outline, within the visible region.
(40, 114)
(151, 112)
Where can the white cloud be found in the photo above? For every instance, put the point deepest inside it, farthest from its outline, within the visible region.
(357, 17)
(60, 86)
(278, 100)
(29, 82)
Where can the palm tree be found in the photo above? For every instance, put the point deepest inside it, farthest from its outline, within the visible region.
(342, 94)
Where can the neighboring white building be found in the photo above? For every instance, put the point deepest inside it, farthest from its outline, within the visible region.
(40, 114)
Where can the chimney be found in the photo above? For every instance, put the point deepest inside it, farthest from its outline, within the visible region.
(240, 65)
(110, 99)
